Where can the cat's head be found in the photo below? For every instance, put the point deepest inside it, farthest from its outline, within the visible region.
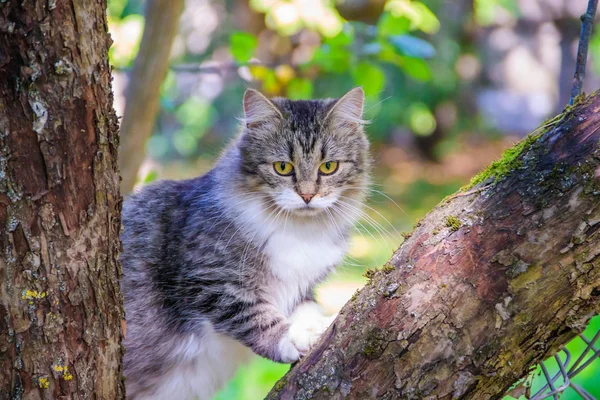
(306, 156)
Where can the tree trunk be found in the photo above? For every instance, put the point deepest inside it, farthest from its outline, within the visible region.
(60, 304)
(143, 92)
(492, 281)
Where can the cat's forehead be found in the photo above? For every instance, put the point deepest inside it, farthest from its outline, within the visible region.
(303, 123)
(301, 113)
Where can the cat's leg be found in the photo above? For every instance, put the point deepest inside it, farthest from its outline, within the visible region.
(262, 327)
(307, 324)
(259, 325)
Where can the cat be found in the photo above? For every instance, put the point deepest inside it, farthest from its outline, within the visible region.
(221, 266)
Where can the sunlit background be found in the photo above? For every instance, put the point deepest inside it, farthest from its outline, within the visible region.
(449, 85)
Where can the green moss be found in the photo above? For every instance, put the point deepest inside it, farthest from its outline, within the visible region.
(508, 162)
(387, 268)
(406, 235)
(370, 273)
(435, 231)
(369, 349)
(452, 222)
(587, 170)
(279, 385)
(373, 344)
(530, 275)
(354, 295)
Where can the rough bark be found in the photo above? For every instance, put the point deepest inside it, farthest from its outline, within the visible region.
(60, 305)
(493, 280)
(143, 93)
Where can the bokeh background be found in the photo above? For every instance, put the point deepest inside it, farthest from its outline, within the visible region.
(449, 85)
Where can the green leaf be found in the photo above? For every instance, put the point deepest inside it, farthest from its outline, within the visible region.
(116, 7)
(370, 76)
(391, 25)
(427, 21)
(421, 120)
(150, 176)
(270, 83)
(332, 58)
(299, 88)
(242, 46)
(416, 68)
(344, 38)
(412, 46)
(417, 13)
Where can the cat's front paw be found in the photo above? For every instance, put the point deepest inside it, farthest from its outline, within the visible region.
(307, 325)
(305, 335)
(288, 352)
(300, 338)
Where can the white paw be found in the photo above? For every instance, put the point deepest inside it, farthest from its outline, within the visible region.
(287, 350)
(305, 336)
(307, 325)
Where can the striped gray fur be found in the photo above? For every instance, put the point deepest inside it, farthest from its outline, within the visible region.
(226, 262)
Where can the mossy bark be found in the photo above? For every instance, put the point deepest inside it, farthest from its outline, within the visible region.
(60, 304)
(464, 309)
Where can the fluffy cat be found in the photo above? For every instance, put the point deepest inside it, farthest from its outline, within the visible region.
(223, 265)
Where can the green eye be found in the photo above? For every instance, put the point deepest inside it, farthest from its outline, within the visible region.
(283, 168)
(328, 167)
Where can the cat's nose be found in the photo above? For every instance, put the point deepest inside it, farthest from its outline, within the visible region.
(307, 197)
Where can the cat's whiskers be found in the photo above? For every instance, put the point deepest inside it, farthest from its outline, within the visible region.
(369, 189)
(372, 209)
(349, 218)
(381, 231)
(332, 219)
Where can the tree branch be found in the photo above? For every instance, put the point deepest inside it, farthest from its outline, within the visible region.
(142, 101)
(489, 283)
(587, 23)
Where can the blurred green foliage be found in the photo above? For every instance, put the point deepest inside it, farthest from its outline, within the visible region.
(288, 17)
(357, 49)
(486, 10)
(242, 46)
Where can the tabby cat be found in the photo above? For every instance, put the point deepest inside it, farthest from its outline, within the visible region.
(223, 265)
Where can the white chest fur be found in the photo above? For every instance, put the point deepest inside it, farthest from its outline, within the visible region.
(299, 252)
(300, 255)
(205, 364)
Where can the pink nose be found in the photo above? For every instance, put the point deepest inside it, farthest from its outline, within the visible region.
(307, 197)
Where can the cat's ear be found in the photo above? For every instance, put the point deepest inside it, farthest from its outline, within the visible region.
(349, 108)
(259, 109)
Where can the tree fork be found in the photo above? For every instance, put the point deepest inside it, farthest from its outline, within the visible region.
(60, 304)
(493, 280)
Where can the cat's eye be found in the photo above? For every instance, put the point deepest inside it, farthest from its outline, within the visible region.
(283, 168)
(328, 167)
